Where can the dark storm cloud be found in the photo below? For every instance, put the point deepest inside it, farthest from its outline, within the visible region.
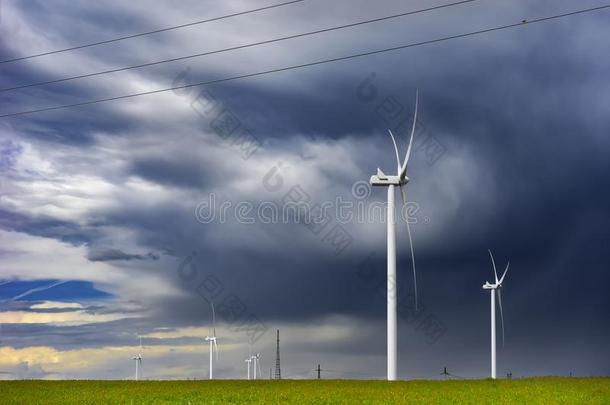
(529, 107)
(115, 254)
(48, 227)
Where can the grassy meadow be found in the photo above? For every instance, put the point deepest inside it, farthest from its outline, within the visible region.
(516, 391)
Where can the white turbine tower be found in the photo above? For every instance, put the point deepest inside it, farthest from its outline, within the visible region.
(401, 179)
(212, 342)
(494, 289)
(248, 362)
(138, 359)
(256, 366)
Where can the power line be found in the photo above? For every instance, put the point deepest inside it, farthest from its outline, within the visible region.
(345, 372)
(175, 27)
(316, 63)
(197, 55)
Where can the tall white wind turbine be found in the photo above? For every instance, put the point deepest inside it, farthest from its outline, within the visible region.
(212, 342)
(138, 359)
(256, 366)
(494, 289)
(400, 180)
(248, 362)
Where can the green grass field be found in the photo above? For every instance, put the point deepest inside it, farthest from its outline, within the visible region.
(517, 391)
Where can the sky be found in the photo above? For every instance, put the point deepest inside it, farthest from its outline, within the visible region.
(131, 217)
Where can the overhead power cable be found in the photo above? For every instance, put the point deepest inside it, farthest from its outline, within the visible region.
(234, 48)
(141, 34)
(309, 64)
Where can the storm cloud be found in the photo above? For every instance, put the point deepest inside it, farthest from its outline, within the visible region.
(511, 154)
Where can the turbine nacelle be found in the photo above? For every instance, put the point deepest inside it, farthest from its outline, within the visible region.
(381, 179)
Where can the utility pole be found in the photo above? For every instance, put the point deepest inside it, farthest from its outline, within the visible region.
(318, 369)
(445, 373)
(278, 370)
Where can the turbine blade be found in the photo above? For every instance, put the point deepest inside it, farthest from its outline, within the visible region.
(216, 347)
(395, 150)
(213, 317)
(403, 172)
(499, 292)
(493, 262)
(504, 275)
(403, 195)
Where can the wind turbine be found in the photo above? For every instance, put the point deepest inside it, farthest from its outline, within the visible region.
(248, 362)
(495, 289)
(213, 345)
(400, 179)
(256, 366)
(138, 359)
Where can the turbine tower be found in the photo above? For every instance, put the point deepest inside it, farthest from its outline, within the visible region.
(212, 342)
(400, 180)
(256, 365)
(248, 362)
(138, 359)
(495, 289)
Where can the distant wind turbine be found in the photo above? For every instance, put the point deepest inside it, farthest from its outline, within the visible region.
(494, 289)
(400, 179)
(248, 362)
(256, 366)
(138, 359)
(213, 345)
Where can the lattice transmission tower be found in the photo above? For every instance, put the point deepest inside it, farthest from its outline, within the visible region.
(278, 370)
